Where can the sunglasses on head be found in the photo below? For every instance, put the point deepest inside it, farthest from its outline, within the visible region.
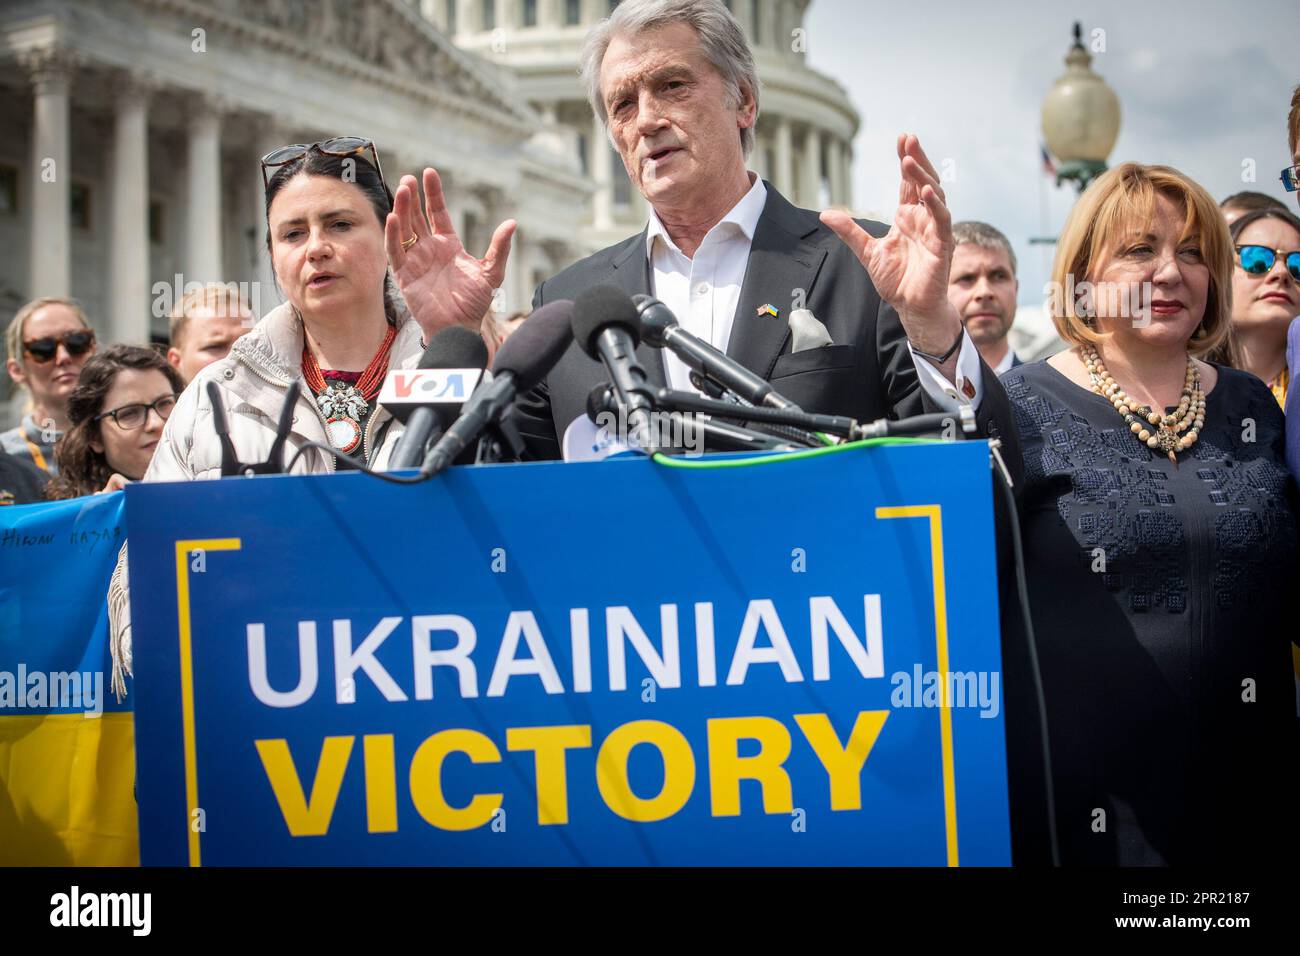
(1291, 178)
(43, 350)
(135, 415)
(342, 146)
(1258, 260)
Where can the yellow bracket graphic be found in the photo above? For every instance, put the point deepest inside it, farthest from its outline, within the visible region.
(183, 551)
(934, 514)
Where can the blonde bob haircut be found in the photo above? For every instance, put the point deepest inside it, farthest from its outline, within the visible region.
(1117, 203)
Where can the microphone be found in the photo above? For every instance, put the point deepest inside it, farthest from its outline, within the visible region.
(606, 327)
(523, 360)
(428, 399)
(660, 328)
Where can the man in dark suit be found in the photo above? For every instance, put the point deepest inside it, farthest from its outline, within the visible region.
(795, 261)
(982, 287)
(674, 80)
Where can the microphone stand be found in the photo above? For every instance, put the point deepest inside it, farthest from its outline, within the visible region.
(847, 428)
(231, 466)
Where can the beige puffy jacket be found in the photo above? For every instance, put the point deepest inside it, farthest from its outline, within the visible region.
(253, 380)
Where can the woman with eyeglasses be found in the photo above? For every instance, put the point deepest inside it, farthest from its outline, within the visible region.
(1265, 295)
(48, 341)
(1159, 533)
(116, 414)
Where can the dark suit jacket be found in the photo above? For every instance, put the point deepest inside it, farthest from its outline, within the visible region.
(866, 374)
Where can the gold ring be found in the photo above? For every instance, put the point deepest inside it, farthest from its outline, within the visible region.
(407, 243)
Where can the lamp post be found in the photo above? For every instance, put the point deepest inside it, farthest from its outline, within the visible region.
(1080, 118)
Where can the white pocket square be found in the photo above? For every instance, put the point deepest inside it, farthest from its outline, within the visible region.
(807, 332)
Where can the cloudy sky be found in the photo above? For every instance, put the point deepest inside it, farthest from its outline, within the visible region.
(1203, 86)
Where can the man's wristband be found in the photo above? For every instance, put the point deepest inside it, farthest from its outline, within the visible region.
(940, 359)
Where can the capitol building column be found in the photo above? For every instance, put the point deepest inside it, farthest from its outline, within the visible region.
(602, 165)
(203, 227)
(128, 251)
(784, 178)
(51, 249)
(812, 168)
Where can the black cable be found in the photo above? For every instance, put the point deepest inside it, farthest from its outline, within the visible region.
(1022, 591)
(382, 476)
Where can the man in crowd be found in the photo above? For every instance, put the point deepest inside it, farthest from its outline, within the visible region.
(1238, 204)
(982, 287)
(48, 341)
(204, 324)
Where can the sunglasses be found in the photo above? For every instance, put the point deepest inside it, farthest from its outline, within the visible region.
(1258, 260)
(133, 416)
(1291, 178)
(342, 146)
(43, 350)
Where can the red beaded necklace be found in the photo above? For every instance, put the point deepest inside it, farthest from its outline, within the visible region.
(343, 404)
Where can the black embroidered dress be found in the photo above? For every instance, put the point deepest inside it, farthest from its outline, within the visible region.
(1159, 598)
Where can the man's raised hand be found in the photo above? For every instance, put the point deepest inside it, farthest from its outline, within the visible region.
(909, 265)
(442, 283)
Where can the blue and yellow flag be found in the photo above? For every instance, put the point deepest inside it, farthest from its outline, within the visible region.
(67, 758)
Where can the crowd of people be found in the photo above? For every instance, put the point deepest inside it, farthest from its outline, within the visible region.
(1156, 500)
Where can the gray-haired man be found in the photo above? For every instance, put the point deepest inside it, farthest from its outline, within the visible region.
(982, 287)
(675, 83)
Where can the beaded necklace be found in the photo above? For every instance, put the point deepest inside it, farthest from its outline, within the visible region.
(344, 404)
(1159, 432)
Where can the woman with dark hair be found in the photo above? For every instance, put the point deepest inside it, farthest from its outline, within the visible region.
(344, 324)
(116, 415)
(332, 228)
(1265, 295)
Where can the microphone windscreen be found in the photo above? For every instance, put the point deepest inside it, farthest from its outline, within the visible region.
(455, 347)
(598, 308)
(533, 349)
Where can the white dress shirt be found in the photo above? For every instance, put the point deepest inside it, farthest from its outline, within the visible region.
(703, 292)
(1005, 364)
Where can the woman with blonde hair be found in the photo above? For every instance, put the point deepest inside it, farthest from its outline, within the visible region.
(1159, 531)
(47, 341)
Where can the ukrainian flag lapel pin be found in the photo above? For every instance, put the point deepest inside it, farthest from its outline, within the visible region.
(769, 309)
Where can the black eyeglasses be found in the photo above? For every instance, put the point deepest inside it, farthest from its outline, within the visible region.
(133, 416)
(44, 349)
(1291, 178)
(342, 146)
(1259, 260)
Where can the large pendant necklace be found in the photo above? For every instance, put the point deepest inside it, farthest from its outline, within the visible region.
(1167, 433)
(344, 404)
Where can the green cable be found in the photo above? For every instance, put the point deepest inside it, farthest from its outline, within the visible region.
(789, 455)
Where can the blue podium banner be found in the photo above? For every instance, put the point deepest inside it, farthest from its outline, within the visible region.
(608, 663)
